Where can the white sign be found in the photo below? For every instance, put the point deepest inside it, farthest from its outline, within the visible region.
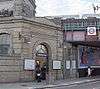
(73, 64)
(56, 64)
(68, 64)
(29, 64)
(91, 30)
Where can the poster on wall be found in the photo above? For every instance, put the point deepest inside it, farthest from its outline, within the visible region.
(68, 64)
(89, 56)
(56, 65)
(73, 64)
(29, 64)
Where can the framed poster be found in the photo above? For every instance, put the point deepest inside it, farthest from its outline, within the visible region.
(67, 64)
(29, 64)
(73, 64)
(56, 65)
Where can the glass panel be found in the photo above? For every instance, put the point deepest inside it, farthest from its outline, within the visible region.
(4, 49)
(4, 43)
(98, 24)
(41, 50)
(66, 27)
(38, 47)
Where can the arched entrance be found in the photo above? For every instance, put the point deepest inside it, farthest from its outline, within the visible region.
(42, 61)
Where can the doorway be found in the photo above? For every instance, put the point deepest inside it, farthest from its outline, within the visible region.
(42, 60)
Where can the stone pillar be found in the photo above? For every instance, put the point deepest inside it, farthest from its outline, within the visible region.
(25, 8)
(74, 62)
(18, 7)
(66, 57)
(50, 75)
(77, 60)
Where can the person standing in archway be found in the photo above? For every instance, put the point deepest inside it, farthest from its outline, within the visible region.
(43, 72)
(38, 72)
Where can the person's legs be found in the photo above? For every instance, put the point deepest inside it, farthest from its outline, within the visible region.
(38, 79)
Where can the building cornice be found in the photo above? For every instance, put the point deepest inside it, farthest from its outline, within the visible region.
(8, 20)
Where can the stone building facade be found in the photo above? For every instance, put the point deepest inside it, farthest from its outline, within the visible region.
(21, 35)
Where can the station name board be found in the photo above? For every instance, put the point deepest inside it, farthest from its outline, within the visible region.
(6, 13)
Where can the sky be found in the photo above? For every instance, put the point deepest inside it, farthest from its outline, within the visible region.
(65, 7)
(7, 5)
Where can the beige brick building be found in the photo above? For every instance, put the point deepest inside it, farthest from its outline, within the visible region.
(22, 37)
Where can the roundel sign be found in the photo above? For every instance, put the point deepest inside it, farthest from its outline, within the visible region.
(91, 31)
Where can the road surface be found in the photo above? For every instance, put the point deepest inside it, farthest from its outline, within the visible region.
(90, 85)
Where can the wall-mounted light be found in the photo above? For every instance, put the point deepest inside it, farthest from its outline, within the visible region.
(26, 39)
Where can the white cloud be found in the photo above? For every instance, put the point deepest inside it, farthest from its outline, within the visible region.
(87, 7)
(63, 7)
(6, 5)
(46, 7)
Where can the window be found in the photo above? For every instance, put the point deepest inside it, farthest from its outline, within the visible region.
(74, 25)
(98, 24)
(4, 43)
(66, 26)
(41, 50)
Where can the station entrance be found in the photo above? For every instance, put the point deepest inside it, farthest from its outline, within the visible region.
(41, 61)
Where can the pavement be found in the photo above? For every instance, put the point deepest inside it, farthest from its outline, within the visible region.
(69, 82)
(43, 84)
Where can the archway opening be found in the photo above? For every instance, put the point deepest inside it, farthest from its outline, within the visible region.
(42, 61)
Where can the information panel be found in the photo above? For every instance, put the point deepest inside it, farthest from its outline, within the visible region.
(68, 64)
(29, 64)
(57, 65)
(74, 64)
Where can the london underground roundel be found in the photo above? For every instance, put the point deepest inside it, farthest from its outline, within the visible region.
(91, 31)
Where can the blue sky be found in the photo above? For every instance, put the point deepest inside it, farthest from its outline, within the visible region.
(65, 7)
